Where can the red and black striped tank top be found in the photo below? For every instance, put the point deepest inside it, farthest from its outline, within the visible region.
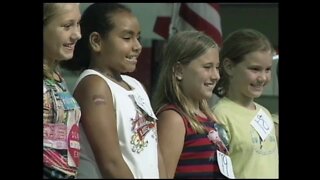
(198, 158)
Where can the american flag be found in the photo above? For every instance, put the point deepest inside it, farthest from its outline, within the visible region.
(190, 16)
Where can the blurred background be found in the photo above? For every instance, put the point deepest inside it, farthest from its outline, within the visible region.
(158, 20)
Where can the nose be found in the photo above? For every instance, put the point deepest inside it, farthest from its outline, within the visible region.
(76, 35)
(215, 74)
(264, 76)
(137, 46)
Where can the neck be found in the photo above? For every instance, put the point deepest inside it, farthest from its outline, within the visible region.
(195, 107)
(117, 78)
(49, 62)
(50, 70)
(114, 76)
(242, 100)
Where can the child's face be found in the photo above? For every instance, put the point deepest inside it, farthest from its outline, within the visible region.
(121, 48)
(62, 32)
(249, 77)
(201, 75)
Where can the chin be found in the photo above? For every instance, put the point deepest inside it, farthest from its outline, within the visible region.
(131, 69)
(207, 95)
(66, 57)
(256, 94)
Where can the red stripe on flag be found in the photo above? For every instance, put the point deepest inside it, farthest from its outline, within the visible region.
(215, 6)
(161, 26)
(199, 23)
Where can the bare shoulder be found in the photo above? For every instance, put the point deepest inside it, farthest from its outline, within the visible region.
(92, 85)
(170, 118)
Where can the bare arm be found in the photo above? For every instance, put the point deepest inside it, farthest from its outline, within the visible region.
(161, 166)
(99, 123)
(171, 132)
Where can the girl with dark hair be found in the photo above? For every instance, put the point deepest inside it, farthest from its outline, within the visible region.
(118, 127)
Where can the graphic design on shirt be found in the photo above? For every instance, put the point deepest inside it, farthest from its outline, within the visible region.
(60, 127)
(74, 146)
(47, 108)
(214, 137)
(54, 136)
(268, 146)
(57, 161)
(141, 127)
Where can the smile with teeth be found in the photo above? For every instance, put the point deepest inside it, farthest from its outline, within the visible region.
(131, 58)
(69, 46)
(210, 85)
(257, 86)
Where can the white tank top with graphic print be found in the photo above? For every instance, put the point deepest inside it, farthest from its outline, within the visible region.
(136, 129)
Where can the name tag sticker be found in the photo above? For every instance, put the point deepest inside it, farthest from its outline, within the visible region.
(262, 124)
(225, 165)
(141, 102)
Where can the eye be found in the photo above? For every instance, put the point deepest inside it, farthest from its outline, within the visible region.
(207, 67)
(254, 68)
(67, 26)
(268, 69)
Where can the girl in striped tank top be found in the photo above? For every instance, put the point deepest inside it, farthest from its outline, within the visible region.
(187, 78)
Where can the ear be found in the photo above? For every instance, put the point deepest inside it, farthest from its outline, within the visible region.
(95, 41)
(228, 66)
(178, 71)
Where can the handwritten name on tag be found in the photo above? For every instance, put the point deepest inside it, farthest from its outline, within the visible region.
(225, 165)
(262, 124)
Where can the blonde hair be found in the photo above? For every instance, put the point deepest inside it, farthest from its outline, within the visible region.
(50, 10)
(183, 48)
